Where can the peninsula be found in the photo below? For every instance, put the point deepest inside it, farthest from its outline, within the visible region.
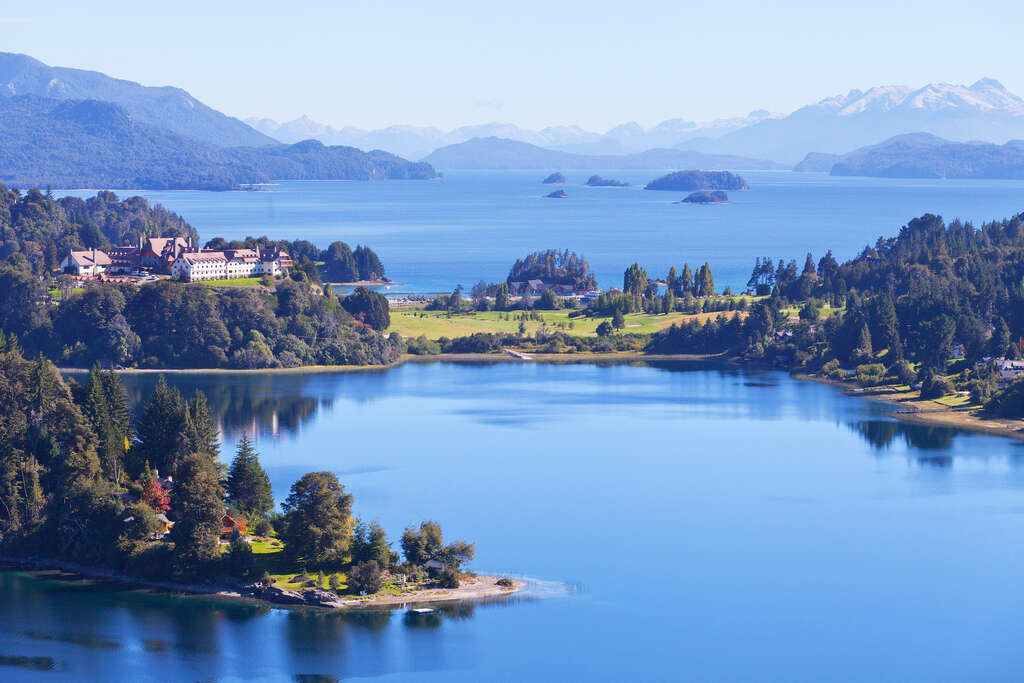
(144, 500)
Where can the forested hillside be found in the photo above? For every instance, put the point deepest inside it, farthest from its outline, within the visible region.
(89, 143)
(170, 323)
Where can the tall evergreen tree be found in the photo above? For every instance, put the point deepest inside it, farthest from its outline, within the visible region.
(248, 486)
(198, 504)
(162, 436)
(200, 431)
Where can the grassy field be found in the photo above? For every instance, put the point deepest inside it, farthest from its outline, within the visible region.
(234, 282)
(436, 324)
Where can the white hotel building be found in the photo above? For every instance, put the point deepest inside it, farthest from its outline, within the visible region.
(229, 264)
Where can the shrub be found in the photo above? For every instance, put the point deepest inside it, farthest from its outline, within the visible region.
(505, 583)
(334, 582)
(871, 374)
(365, 577)
(1009, 402)
(448, 577)
(936, 386)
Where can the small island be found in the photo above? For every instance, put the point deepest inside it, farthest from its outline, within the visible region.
(688, 181)
(598, 181)
(554, 179)
(557, 194)
(704, 197)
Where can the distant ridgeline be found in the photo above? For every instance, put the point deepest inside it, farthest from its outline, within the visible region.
(922, 155)
(88, 143)
(169, 323)
(688, 181)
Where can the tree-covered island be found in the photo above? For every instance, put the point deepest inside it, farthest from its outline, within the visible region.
(83, 482)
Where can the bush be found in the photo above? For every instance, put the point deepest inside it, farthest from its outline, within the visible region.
(449, 577)
(334, 582)
(505, 583)
(871, 374)
(421, 346)
(936, 386)
(365, 577)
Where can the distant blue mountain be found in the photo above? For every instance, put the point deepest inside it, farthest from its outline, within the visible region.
(88, 143)
(171, 108)
(922, 155)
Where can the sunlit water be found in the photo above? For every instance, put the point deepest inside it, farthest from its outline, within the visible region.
(468, 226)
(676, 522)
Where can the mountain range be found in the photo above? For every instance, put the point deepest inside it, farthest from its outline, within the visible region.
(416, 142)
(500, 154)
(922, 155)
(72, 128)
(89, 143)
(984, 111)
(169, 108)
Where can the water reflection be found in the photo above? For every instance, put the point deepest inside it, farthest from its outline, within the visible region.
(882, 434)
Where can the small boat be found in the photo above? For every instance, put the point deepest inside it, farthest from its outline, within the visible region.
(420, 610)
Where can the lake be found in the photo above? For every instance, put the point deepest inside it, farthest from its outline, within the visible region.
(468, 226)
(675, 522)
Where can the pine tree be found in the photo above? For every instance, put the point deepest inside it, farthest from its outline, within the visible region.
(686, 280)
(199, 506)
(864, 341)
(162, 430)
(248, 486)
(200, 431)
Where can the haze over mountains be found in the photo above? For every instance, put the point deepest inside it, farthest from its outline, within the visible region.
(416, 142)
(983, 111)
(70, 127)
(495, 153)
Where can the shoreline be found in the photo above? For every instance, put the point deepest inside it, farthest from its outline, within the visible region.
(939, 417)
(955, 418)
(473, 588)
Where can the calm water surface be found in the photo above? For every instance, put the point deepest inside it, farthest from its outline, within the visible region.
(675, 523)
(469, 226)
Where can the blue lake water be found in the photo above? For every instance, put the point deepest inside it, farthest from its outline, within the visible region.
(473, 225)
(676, 522)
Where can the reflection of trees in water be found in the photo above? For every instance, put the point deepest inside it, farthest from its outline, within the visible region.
(250, 403)
(881, 434)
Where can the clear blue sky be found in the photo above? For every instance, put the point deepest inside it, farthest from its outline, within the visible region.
(530, 63)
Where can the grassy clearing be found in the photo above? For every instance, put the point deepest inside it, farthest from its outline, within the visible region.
(436, 324)
(57, 295)
(234, 282)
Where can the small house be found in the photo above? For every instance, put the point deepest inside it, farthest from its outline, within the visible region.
(231, 524)
(434, 566)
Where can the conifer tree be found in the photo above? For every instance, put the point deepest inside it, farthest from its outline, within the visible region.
(248, 486)
(198, 503)
(161, 430)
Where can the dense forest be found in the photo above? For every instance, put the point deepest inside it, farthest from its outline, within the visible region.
(81, 480)
(920, 307)
(173, 324)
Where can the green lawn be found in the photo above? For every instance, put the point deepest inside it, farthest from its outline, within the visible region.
(234, 282)
(436, 324)
(56, 295)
